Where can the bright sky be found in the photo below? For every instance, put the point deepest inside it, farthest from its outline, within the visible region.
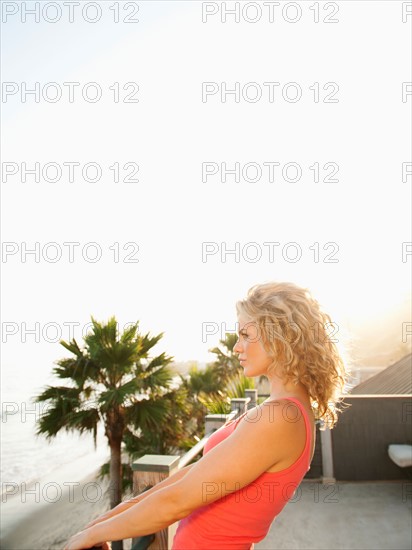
(357, 133)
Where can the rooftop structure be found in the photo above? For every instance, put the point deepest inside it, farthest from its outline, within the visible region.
(394, 380)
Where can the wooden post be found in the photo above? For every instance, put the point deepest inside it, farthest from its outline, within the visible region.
(239, 404)
(150, 470)
(215, 421)
(252, 395)
(327, 456)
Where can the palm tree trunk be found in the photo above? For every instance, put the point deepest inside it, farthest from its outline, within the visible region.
(115, 481)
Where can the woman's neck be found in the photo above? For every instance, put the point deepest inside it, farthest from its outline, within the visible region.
(280, 389)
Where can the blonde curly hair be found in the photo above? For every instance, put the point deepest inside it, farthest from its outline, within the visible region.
(294, 332)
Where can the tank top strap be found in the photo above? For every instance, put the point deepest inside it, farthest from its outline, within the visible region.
(307, 424)
(235, 420)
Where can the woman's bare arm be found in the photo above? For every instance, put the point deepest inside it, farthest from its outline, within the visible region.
(228, 467)
(130, 502)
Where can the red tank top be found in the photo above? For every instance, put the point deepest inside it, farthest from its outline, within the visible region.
(243, 517)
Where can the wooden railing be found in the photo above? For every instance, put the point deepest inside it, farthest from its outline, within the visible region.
(152, 469)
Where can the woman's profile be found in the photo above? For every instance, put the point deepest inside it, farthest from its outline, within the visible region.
(251, 466)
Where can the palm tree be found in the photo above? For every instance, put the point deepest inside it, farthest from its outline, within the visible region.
(197, 383)
(169, 437)
(219, 402)
(211, 389)
(207, 380)
(226, 364)
(112, 381)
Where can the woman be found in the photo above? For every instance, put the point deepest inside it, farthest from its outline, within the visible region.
(251, 466)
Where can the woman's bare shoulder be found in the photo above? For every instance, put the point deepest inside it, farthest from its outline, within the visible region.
(268, 413)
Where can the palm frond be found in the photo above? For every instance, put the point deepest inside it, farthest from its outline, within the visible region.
(238, 384)
(73, 347)
(148, 342)
(216, 403)
(58, 393)
(129, 334)
(158, 378)
(77, 369)
(148, 414)
(161, 359)
(116, 397)
(85, 421)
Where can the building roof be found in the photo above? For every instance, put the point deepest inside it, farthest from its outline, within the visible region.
(394, 380)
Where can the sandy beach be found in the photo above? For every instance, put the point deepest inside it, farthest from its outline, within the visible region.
(49, 525)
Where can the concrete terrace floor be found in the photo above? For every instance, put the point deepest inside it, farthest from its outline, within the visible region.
(344, 515)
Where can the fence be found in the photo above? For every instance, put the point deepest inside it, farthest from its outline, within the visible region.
(152, 469)
(361, 438)
(356, 449)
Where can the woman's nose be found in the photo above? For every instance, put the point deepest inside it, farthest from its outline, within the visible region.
(236, 347)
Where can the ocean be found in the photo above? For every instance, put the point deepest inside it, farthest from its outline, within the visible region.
(35, 472)
(26, 457)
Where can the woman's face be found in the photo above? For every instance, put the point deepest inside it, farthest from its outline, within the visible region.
(252, 355)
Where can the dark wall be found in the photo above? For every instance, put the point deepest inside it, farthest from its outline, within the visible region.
(315, 471)
(363, 433)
